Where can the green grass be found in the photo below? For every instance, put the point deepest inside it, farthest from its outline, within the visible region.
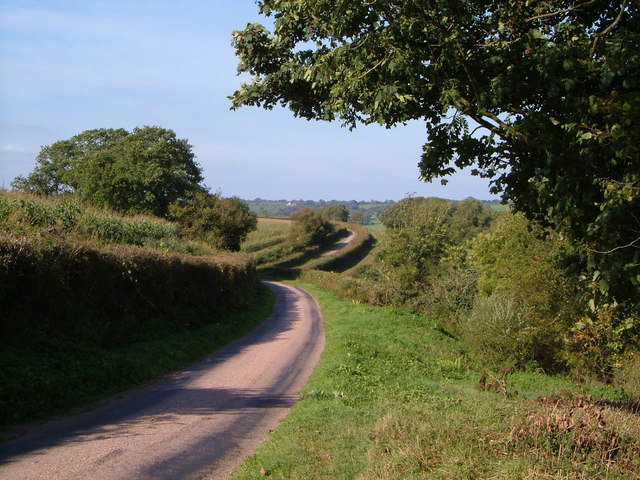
(52, 376)
(375, 227)
(392, 398)
(267, 234)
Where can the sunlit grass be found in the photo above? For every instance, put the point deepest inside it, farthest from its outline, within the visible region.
(393, 398)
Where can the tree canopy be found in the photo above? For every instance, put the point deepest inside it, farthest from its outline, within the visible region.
(541, 97)
(338, 213)
(308, 228)
(142, 171)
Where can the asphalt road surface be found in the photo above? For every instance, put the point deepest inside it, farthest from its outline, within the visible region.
(346, 241)
(197, 424)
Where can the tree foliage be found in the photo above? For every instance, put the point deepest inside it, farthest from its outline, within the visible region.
(338, 213)
(418, 254)
(222, 222)
(142, 171)
(540, 96)
(309, 228)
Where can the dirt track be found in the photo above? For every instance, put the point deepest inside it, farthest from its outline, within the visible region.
(199, 423)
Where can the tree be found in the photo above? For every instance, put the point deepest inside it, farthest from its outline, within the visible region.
(356, 217)
(222, 222)
(142, 171)
(469, 217)
(338, 213)
(541, 97)
(309, 228)
(413, 211)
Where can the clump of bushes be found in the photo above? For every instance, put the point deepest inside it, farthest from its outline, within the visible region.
(528, 295)
(516, 293)
(309, 228)
(421, 257)
(221, 222)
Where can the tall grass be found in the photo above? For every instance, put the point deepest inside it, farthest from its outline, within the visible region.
(23, 214)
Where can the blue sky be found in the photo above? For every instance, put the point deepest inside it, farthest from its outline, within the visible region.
(67, 66)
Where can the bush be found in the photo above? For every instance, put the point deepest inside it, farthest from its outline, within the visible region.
(528, 293)
(499, 330)
(309, 228)
(221, 222)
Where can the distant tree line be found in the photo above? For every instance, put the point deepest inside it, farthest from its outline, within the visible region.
(363, 212)
(368, 211)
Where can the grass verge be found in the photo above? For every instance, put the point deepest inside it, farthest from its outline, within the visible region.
(50, 375)
(393, 398)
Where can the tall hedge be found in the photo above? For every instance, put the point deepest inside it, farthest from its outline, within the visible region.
(113, 295)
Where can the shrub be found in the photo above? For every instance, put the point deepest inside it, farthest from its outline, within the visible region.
(499, 330)
(309, 228)
(528, 299)
(221, 222)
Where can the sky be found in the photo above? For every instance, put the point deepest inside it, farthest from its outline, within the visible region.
(68, 66)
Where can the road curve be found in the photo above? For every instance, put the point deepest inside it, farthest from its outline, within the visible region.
(197, 424)
(339, 246)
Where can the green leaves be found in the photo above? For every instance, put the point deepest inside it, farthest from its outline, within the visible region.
(142, 171)
(222, 222)
(549, 91)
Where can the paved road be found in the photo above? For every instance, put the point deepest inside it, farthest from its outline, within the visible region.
(197, 424)
(339, 246)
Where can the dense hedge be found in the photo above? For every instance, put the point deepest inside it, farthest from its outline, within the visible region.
(111, 296)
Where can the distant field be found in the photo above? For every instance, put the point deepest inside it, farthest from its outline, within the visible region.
(376, 227)
(270, 232)
(267, 221)
(498, 207)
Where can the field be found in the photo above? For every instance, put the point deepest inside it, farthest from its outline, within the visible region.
(270, 232)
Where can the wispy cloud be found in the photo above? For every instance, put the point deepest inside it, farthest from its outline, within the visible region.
(13, 149)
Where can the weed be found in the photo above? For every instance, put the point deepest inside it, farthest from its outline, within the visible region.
(497, 383)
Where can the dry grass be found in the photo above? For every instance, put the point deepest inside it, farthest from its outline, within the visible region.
(581, 435)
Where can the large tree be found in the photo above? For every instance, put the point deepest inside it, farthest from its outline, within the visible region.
(142, 171)
(539, 96)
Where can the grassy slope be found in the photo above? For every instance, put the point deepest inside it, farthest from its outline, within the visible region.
(393, 398)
